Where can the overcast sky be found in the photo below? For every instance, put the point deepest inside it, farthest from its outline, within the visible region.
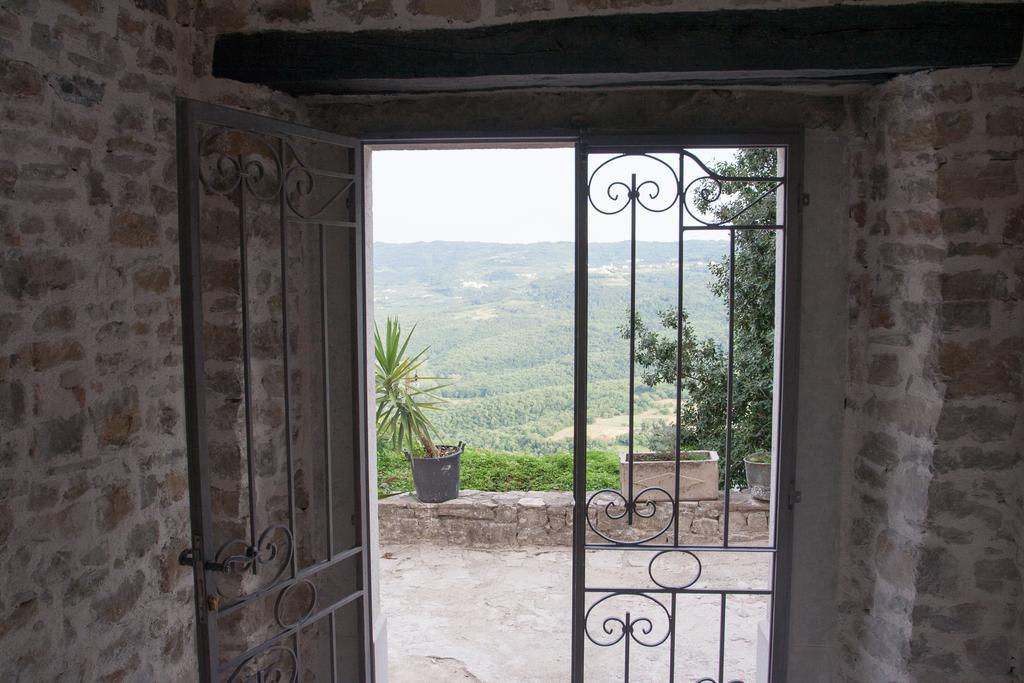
(502, 195)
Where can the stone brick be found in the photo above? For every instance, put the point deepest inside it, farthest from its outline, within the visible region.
(960, 618)
(60, 436)
(1005, 121)
(981, 368)
(143, 539)
(951, 127)
(960, 221)
(116, 505)
(158, 7)
(958, 315)
(973, 285)
(991, 655)
(995, 576)
(47, 40)
(885, 370)
(55, 318)
(293, 11)
(117, 417)
(20, 80)
(12, 404)
(504, 8)
(115, 606)
(960, 180)
(10, 323)
(983, 423)
(1013, 230)
(228, 15)
(77, 89)
(153, 279)
(452, 10)
(43, 355)
(937, 572)
(131, 229)
(8, 178)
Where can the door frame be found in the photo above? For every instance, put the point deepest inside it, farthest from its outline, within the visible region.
(189, 114)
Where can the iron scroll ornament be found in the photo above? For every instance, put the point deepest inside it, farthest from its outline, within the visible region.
(621, 194)
(644, 631)
(301, 183)
(222, 171)
(641, 505)
(282, 600)
(614, 195)
(265, 551)
(274, 672)
(668, 553)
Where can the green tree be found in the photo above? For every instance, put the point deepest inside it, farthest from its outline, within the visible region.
(704, 364)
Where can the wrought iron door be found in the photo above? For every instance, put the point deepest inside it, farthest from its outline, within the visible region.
(677, 614)
(274, 341)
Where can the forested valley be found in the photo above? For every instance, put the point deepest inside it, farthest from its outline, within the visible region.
(498, 319)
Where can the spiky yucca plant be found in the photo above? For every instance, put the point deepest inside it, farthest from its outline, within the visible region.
(404, 398)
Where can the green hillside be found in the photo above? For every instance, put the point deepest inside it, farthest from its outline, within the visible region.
(499, 322)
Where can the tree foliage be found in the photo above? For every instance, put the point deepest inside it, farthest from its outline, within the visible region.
(703, 370)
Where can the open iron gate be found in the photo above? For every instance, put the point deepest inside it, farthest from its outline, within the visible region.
(635, 630)
(272, 258)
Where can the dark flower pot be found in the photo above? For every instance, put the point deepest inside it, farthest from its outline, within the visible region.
(759, 479)
(437, 479)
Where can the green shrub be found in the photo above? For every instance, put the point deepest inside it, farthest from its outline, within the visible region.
(486, 470)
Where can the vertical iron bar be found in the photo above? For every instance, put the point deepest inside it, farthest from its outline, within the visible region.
(334, 648)
(286, 367)
(243, 273)
(628, 637)
(679, 359)
(193, 359)
(326, 368)
(579, 475)
(672, 643)
(728, 386)
(721, 641)
(632, 335)
(362, 370)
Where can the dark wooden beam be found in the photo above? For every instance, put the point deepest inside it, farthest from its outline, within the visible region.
(844, 43)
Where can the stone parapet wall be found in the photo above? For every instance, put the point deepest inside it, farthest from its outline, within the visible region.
(482, 519)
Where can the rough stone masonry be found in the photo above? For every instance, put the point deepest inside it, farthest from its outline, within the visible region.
(93, 495)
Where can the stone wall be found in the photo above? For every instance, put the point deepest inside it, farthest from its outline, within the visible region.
(93, 478)
(481, 519)
(931, 577)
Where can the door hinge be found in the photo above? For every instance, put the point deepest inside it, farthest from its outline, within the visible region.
(793, 495)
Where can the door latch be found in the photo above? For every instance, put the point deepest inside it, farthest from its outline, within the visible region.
(793, 496)
(236, 564)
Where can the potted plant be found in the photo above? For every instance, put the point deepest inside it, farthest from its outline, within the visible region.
(758, 467)
(656, 467)
(404, 402)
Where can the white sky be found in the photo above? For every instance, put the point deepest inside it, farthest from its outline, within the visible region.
(503, 195)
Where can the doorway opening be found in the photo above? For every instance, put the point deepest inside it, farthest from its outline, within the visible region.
(672, 320)
(473, 259)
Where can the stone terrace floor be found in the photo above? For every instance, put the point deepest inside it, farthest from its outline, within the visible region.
(503, 616)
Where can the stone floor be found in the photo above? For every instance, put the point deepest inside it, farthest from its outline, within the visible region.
(502, 616)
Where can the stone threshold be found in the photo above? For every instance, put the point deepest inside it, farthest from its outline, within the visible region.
(484, 519)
